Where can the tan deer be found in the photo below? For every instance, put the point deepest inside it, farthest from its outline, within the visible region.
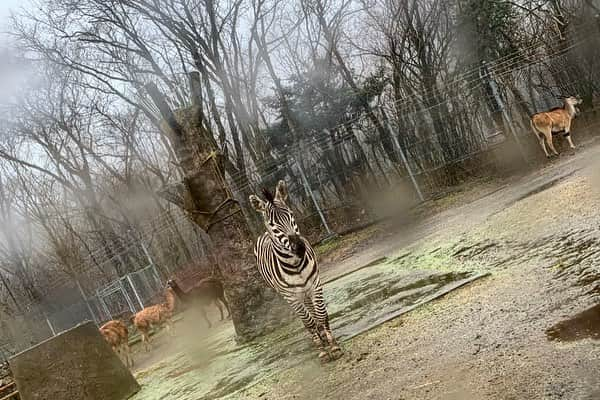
(557, 120)
(156, 315)
(115, 332)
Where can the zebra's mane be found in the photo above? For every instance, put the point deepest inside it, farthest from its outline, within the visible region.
(268, 195)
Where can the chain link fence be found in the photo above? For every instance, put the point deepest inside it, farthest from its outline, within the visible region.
(167, 246)
(476, 124)
(341, 178)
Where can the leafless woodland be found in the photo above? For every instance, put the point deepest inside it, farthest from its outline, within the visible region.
(345, 99)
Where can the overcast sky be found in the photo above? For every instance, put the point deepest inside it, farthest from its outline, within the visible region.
(6, 6)
(11, 74)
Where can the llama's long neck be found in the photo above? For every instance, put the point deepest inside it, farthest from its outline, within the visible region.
(570, 108)
(170, 295)
(180, 293)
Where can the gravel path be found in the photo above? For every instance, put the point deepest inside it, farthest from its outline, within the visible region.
(539, 237)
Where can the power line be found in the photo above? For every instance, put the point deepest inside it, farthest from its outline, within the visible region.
(505, 69)
(500, 67)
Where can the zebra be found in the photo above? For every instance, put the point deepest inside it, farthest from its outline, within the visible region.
(288, 264)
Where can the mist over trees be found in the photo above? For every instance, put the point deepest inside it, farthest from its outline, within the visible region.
(341, 91)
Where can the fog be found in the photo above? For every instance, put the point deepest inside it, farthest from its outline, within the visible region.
(356, 104)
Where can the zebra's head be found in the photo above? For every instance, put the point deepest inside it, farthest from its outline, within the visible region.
(279, 219)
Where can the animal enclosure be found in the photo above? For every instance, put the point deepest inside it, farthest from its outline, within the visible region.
(475, 124)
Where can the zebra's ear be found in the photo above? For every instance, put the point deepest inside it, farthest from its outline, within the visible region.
(281, 193)
(257, 203)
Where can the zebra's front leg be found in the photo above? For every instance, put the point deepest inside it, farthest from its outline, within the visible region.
(311, 325)
(322, 318)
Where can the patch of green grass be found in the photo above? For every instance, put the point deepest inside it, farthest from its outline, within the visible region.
(329, 245)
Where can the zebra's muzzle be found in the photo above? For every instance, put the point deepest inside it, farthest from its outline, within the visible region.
(297, 245)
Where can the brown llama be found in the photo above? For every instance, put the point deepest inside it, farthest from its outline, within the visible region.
(115, 332)
(204, 293)
(157, 315)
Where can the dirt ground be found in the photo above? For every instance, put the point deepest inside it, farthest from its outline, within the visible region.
(537, 235)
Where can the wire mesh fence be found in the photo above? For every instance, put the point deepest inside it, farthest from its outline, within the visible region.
(474, 123)
(370, 165)
(163, 248)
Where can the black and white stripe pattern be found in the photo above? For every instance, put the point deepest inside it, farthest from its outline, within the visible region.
(288, 264)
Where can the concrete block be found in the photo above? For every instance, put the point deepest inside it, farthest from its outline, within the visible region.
(76, 364)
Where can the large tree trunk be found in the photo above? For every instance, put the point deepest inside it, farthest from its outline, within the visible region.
(255, 308)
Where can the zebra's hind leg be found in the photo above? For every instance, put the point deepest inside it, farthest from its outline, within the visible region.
(310, 324)
(320, 313)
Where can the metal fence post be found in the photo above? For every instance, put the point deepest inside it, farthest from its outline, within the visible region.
(312, 196)
(87, 304)
(411, 174)
(487, 74)
(50, 325)
(137, 296)
(146, 252)
(151, 260)
(103, 305)
(126, 295)
(156, 275)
